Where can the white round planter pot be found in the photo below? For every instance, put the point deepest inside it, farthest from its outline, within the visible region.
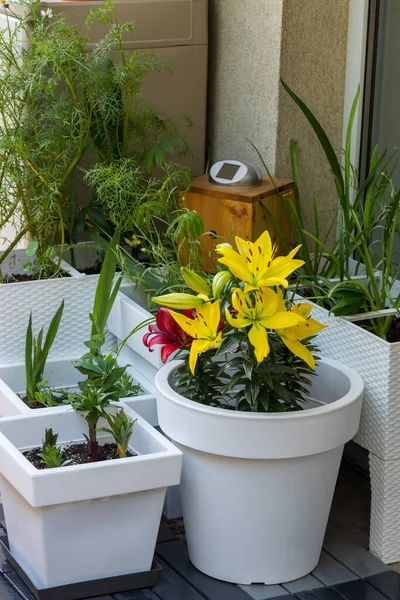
(257, 488)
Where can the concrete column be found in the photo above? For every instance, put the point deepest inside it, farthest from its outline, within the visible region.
(253, 44)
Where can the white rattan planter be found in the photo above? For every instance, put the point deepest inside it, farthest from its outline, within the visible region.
(42, 298)
(378, 363)
(83, 522)
(258, 487)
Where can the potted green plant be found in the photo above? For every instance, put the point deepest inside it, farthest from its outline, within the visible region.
(355, 288)
(258, 426)
(87, 481)
(44, 383)
(62, 148)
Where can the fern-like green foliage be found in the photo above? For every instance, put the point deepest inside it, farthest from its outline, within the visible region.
(66, 112)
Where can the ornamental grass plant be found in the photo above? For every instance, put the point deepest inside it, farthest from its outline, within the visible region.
(81, 149)
(356, 274)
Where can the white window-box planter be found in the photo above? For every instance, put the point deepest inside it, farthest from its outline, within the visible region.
(257, 488)
(84, 522)
(61, 375)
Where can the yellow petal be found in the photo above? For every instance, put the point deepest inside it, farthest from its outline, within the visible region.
(281, 303)
(302, 309)
(210, 314)
(263, 246)
(293, 252)
(299, 350)
(190, 326)
(251, 288)
(199, 346)
(179, 301)
(258, 338)
(273, 281)
(238, 322)
(282, 268)
(281, 320)
(235, 263)
(243, 246)
(267, 302)
(304, 330)
(242, 303)
(195, 349)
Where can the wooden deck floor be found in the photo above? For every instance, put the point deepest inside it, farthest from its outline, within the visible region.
(347, 571)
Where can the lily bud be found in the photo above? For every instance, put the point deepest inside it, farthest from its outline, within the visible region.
(219, 282)
(195, 281)
(179, 301)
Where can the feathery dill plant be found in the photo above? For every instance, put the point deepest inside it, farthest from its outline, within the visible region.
(79, 144)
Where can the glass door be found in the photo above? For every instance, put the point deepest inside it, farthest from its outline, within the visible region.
(382, 88)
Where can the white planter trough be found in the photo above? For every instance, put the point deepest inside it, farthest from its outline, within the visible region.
(83, 522)
(257, 488)
(61, 375)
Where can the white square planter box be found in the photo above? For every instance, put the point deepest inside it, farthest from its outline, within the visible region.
(83, 522)
(60, 374)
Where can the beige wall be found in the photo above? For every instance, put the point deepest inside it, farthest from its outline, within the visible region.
(253, 44)
(313, 64)
(245, 47)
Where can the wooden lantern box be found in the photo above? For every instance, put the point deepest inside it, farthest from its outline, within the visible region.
(227, 212)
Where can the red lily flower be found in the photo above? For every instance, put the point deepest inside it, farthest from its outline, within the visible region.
(166, 331)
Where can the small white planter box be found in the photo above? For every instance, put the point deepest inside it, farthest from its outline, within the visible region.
(257, 488)
(60, 374)
(83, 522)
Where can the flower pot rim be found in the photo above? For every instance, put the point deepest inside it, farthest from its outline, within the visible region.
(157, 464)
(355, 389)
(353, 324)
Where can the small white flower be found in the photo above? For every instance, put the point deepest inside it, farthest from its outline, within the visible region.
(46, 14)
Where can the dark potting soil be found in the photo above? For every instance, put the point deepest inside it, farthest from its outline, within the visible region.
(393, 334)
(394, 331)
(77, 454)
(58, 397)
(21, 277)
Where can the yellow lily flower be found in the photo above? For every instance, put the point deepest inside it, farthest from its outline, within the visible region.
(291, 336)
(180, 301)
(260, 310)
(254, 263)
(203, 329)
